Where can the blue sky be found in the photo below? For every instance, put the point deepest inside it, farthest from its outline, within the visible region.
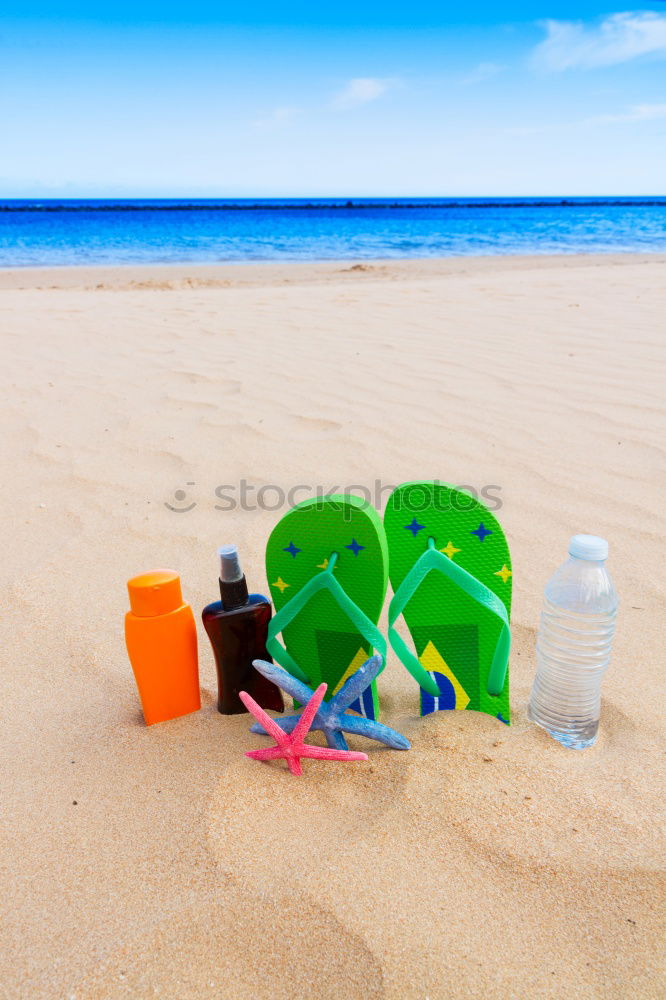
(354, 99)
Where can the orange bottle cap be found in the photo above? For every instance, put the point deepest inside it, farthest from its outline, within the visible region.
(155, 593)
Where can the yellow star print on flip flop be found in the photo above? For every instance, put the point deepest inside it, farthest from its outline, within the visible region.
(449, 550)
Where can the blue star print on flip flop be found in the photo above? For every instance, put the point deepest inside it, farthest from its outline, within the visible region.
(481, 532)
(292, 550)
(355, 547)
(414, 527)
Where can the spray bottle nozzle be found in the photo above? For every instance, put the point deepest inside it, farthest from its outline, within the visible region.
(230, 568)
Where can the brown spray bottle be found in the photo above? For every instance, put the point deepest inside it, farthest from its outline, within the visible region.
(237, 626)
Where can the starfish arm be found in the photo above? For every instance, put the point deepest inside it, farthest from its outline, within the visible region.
(287, 725)
(357, 683)
(308, 714)
(327, 753)
(272, 672)
(374, 731)
(266, 753)
(335, 739)
(294, 765)
(257, 711)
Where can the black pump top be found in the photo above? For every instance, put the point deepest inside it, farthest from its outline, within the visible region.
(233, 586)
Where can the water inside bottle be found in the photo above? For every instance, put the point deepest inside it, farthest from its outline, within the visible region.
(573, 652)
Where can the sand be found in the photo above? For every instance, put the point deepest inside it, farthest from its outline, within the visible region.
(486, 862)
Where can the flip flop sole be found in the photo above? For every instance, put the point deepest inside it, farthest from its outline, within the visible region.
(453, 636)
(321, 639)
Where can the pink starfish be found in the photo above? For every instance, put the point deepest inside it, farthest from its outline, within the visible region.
(291, 745)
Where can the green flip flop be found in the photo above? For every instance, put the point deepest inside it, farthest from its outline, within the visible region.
(450, 570)
(327, 567)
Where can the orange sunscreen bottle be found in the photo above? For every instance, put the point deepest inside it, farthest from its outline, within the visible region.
(161, 641)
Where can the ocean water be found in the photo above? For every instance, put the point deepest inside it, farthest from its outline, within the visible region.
(55, 233)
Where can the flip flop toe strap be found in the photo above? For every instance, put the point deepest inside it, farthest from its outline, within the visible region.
(484, 597)
(322, 581)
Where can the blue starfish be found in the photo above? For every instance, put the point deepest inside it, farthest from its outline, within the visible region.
(331, 718)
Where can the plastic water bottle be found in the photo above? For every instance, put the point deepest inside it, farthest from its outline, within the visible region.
(574, 644)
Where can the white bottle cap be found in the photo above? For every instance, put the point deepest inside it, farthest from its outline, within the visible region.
(588, 547)
(230, 569)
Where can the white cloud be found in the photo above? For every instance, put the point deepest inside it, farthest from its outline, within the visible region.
(279, 116)
(484, 71)
(616, 39)
(361, 90)
(636, 113)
